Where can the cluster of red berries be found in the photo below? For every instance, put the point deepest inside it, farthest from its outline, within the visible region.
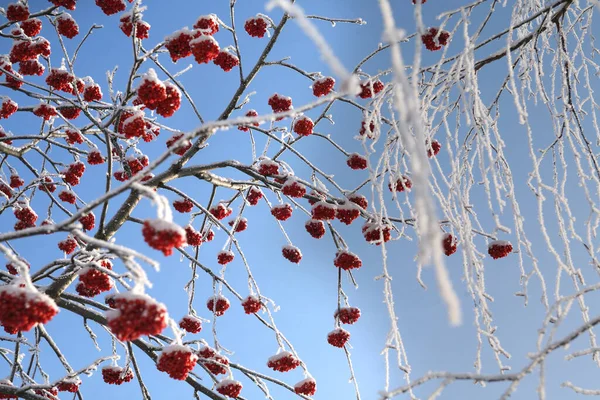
(73, 136)
(165, 98)
(282, 212)
(67, 196)
(68, 245)
(239, 225)
(280, 104)
(434, 39)
(163, 235)
(346, 260)
(142, 28)
(191, 324)
(499, 249)
(192, 236)
(69, 385)
(25, 215)
(88, 221)
(17, 12)
(220, 211)
(347, 315)
(433, 148)
(7, 108)
(73, 173)
(224, 257)
(376, 233)
(51, 393)
(307, 387)
(229, 388)
(338, 337)
(323, 211)
(323, 86)
(315, 228)
(204, 49)
(114, 375)
(303, 126)
(347, 213)
(252, 304)
(47, 184)
(183, 205)
(268, 167)
(95, 157)
(12, 269)
(16, 181)
(368, 88)
(92, 282)
(136, 164)
(182, 147)
(67, 26)
(5, 189)
(218, 304)
(254, 195)
(250, 113)
(136, 315)
(283, 362)
(449, 244)
(176, 360)
(178, 44)
(215, 363)
(292, 254)
(61, 79)
(293, 188)
(356, 161)
(70, 112)
(110, 7)
(402, 183)
(31, 26)
(31, 67)
(92, 91)
(22, 308)
(226, 60)
(45, 111)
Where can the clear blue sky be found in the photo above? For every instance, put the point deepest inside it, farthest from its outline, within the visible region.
(306, 293)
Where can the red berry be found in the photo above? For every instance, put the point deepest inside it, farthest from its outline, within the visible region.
(280, 103)
(449, 244)
(252, 305)
(193, 237)
(215, 363)
(303, 126)
(25, 214)
(163, 235)
(323, 86)
(434, 41)
(66, 26)
(356, 161)
(73, 136)
(70, 112)
(69, 385)
(136, 315)
(499, 249)
(205, 49)
(68, 245)
(307, 387)
(151, 90)
(282, 211)
(176, 360)
(403, 183)
(17, 12)
(283, 362)
(268, 167)
(92, 92)
(323, 211)
(114, 375)
(68, 4)
(347, 213)
(22, 308)
(347, 315)
(95, 158)
(338, 337)
(240, 226)
(376, 233)
(45, 111)
(60, 79)
(229, 388)
(46, 184)
(368, 88)
(191, 324)
(142, 28)
(292, 254)
(178, 44)
(168, 106)
(110, 7)
(316, 194)
(346, 260)
(224, 257)
(16, 181)
(182, 147)
(217, 304)
(183, 205)
(31, 67)
(220, 211)
(315, 228)
(207, 24)
(5, 189)
(67, 196)
(254, 195)
(31, 27)
(88, 221)
(433, 148)
(293, 188)
(7, 108)
(226, 60)
(256, 26)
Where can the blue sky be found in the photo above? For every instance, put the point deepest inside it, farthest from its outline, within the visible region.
(307, 294)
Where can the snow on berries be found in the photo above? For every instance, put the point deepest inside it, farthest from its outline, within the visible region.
(338, 337)
(252, 304)
(73, 173)
(347, 315)
(183, 205)
(92, 282)
(110, 7)
(359, 200)
(205, 49)
(433, 148)
(401, 184)
(315, 228)
(74, 136)
(323, 211)
(224, 257)
(499, 249)
(190, 324)
(254, 195)
(449, 244)
(376, 233)
(136, 315)
(68, 245)
(91, 91)
(178, 44)
(268, 167)
(280, 104)
(229, 388)
(283, 362)
(368, 88)
(31, 27)
(256, 26)
(217, 304)
(163, 235)
(347, 260)
(22, 308)
(172, 103)
(7, 108)
(17, 12)
(226, 61)
(114, 375)
(239, 225)
(356, 161)
(177, 361)
(303, 126)
(25, 215)
(95, 157)
(307, 387)
(293, 188)
(47, 184)
(181, 147)
(282, 212)
(45, 111)
(31, 68)
(67, 196)
(142, 28)
(151, 90)
(207, 24)
(70, 385)
(347, 213)
(67, 26)
(220, 211)
(292, 254)
(323, 86)
(434, 39)
(192, 236)
(215, 363)
(60, 79)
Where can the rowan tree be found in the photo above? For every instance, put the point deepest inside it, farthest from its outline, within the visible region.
(474, 153)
